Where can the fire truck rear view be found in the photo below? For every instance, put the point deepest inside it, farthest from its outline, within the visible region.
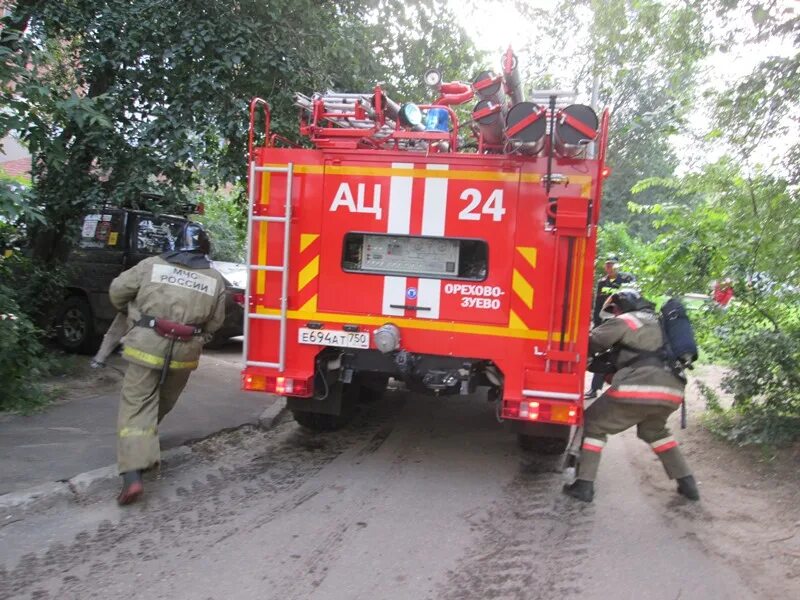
(450, 259)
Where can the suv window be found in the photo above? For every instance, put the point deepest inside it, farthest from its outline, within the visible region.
(102, 230)
(156, 234)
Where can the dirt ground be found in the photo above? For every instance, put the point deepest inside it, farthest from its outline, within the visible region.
(80, 381)
(751, 512)
(748, 518)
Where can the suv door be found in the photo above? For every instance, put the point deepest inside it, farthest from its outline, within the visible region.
(99, 258)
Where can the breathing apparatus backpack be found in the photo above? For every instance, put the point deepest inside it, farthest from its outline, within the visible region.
(679, 341)
(678, 352)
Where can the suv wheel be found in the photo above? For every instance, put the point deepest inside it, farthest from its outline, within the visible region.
(75, 326)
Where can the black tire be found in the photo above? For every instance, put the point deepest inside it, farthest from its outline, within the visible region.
(320, 423)
(372, 387)
(542, 445)
(75, 326)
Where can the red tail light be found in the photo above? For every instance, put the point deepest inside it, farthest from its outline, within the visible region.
(542, 410)
(529, 410)
(278, 384)
(238, 297)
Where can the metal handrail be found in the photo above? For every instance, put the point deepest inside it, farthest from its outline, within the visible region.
(283, 268)
(251, 132)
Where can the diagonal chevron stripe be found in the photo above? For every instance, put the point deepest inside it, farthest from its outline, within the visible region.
(306, 239)
(311, 305)
(522, 288)
(528, 254)
(514, 322)
(308, 273)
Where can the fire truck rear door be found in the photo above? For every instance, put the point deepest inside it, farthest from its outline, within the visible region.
(417, 238)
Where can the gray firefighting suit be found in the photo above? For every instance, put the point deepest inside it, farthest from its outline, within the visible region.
(180, 287)
(643, 392)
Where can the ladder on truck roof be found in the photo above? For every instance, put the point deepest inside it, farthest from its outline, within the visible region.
(283, 268)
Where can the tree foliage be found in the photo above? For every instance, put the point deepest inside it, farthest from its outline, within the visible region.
(644, 55)
(225, 222)
(762, 107)
(727, 224)
(117, 98)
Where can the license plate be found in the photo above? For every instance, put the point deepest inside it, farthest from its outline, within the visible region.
(340, 339)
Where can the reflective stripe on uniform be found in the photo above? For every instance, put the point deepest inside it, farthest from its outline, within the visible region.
(647, 392)
(137, 431)
(593, 445)
(631, 321)
(662, 445)
(158, 361)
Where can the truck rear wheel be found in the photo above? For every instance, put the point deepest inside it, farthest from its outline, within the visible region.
(372, 387)
(321, 422)
(542, 445)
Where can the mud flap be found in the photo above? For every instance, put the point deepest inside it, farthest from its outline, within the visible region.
(331, 405)
(569, 466)
(340, 399)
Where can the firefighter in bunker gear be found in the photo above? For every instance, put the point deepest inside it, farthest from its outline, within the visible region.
(644, 392)
(613, 280)
(175, 302)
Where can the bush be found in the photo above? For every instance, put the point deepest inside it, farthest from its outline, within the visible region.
(753, 426)
(22, 358)
(762, 349)
(27, 295)
(225, 219)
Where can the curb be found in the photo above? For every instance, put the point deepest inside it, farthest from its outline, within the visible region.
(47, 495)
(273, 414)
(44, 495)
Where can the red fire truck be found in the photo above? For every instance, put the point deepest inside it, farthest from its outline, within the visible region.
(390, 251)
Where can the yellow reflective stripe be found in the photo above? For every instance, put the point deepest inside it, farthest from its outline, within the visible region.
(428, 325)
(585, 181)
(308, 273)
(522, 288)
(306, 239)
(158, 361)
(137, 431)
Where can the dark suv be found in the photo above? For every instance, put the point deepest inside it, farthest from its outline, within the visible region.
(112, 240)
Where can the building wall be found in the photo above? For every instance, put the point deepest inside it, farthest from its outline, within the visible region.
(14, 157)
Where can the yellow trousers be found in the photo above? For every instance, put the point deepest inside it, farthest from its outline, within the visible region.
(142, 407)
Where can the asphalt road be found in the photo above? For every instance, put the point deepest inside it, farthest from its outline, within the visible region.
(81, 434)
(418, 498)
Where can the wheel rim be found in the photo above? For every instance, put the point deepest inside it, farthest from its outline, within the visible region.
(73, 326)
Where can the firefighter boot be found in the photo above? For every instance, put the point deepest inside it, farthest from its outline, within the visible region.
(687, 486)
(581, 489)
(132, 488)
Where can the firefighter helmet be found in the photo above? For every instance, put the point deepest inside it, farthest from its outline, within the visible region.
(625, 300)
(193, 238)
